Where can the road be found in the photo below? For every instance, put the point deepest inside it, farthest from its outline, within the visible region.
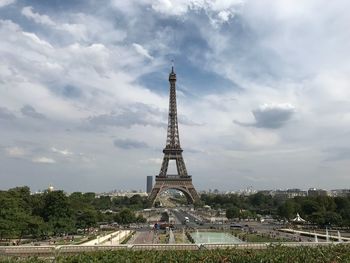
(180, 215)
(144, 237)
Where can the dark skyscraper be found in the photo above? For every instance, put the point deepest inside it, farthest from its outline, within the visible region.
(149, 183)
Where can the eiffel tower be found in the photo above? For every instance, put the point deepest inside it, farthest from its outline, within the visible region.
(173, 151)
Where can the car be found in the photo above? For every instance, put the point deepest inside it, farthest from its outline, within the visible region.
(236, 226)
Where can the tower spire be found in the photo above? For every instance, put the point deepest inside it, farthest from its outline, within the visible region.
(173, 139)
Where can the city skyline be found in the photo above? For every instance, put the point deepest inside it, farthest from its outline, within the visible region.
(263, 97)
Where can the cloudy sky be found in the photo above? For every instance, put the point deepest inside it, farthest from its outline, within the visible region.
(263, 92)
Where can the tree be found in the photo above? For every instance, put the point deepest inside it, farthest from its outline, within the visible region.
(89, 197)
(199, 204)
(287, 210)
(22, 195)
(36, 227)
(106, 217)
(56, 204)
(332, 218)
(86, 219)
(309, 207)
(246, 214)
(259, 199)
(317, 218)
(345, 214)
(342, 203)
(141, 219)
(126, 216)
(58, 212)
(232, 212)
(326, 203)
(13, 215)
(78, 201)
(102, 203)
(62, 225)
(37, 204)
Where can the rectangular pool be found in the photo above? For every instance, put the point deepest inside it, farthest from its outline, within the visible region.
(214, 237)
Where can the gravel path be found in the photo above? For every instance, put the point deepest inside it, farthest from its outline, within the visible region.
(144, 237)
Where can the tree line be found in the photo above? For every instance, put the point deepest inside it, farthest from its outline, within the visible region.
(53, 213)
(320, 210)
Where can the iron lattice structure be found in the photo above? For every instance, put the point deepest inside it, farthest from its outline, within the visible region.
(173, 151)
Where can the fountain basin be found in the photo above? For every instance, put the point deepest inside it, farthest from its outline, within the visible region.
(214, 237)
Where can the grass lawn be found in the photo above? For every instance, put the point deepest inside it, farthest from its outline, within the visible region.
(181, 239)
(256, 237)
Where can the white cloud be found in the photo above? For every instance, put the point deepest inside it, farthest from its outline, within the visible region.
(142, 51)
(64, 152)
(77, 30)
(40, 64)
(36, 17)
(180, 7)
(44, 160)
(171, 7)
(224, 15)
(36, 39)
(6, 2)
(15, 151)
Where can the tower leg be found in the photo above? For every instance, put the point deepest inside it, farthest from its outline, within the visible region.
(153, 195)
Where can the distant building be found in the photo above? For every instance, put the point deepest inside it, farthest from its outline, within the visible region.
(289, 193)
(313, 192)
(124, 193)
(149, 185)
(50, 188)
(266, 192)
(246, 192)
(284, 194)
(340, 192)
